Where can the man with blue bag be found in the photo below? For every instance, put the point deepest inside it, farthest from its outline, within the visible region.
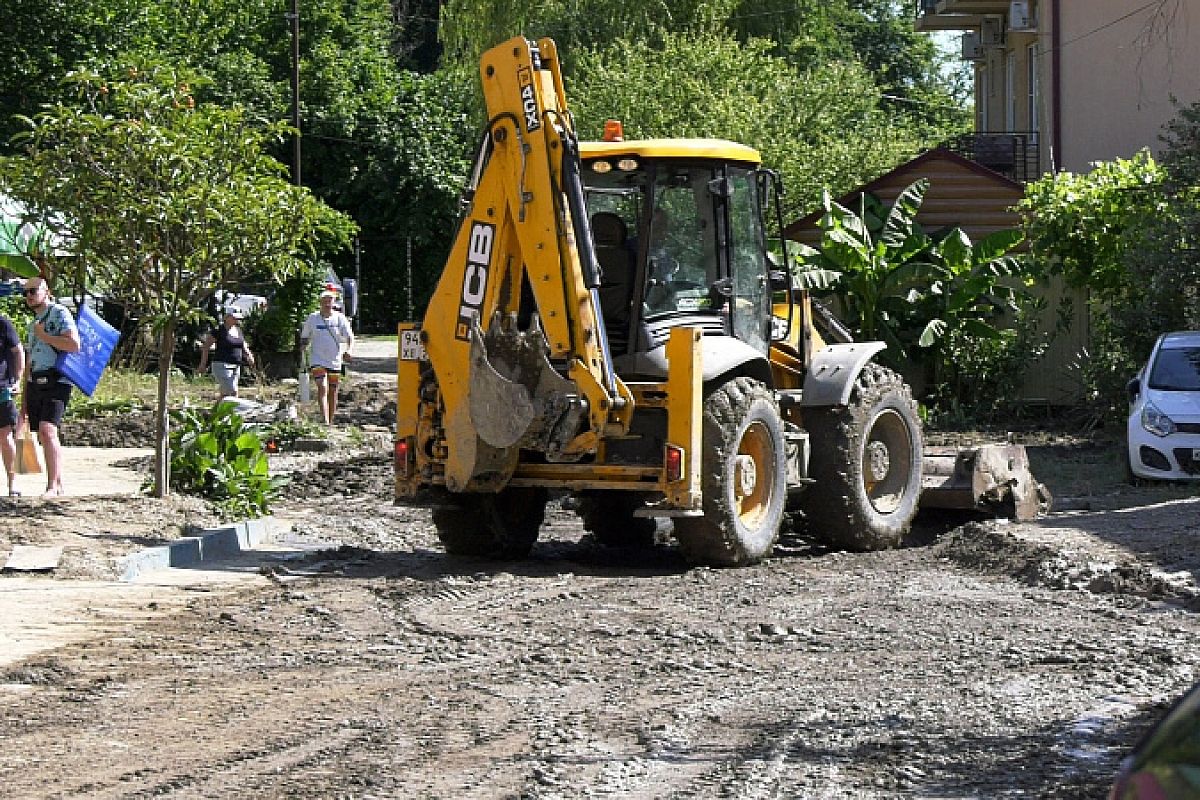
(47, 392)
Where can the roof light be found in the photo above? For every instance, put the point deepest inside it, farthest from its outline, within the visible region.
(613, 131)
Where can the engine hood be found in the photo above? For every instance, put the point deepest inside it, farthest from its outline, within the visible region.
(1176, 405)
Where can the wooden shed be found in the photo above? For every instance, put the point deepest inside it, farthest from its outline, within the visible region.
(960, 193)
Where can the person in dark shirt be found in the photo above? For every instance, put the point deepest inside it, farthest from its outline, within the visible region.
(12, 367)
(228, 345)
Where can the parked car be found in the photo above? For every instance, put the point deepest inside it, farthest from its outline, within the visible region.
(1163, 432)
(239, 303)
(1165, 764)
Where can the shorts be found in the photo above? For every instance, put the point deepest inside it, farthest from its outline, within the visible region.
(46, 402)
(226, 376)
(326, 374)
(8, 414)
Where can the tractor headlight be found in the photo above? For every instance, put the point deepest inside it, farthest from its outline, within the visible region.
(1156, 422)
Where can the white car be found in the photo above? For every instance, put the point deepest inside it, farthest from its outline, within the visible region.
(241, 304)
(1163, 432)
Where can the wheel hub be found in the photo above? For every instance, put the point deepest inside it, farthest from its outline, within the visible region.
(747, 475)
(879, 461)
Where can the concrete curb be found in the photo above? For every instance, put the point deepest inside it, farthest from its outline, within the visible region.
(191, 551)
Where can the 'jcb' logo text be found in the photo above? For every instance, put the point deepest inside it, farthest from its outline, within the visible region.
(474, 287)
(528, 100)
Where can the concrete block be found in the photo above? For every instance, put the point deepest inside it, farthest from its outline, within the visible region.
(194, 551)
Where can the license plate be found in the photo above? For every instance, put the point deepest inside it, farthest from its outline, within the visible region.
(411, 348)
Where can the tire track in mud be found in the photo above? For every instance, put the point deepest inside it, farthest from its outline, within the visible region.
(616, 745)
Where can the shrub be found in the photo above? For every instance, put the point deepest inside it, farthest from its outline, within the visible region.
(216, 455)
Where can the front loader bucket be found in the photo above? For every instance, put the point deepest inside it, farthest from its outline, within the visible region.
(988, 478)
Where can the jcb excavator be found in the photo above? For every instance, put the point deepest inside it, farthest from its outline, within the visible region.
(609, 323)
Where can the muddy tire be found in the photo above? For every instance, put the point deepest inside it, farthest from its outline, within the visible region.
(866, 463)
(503, 525)
(743, 477)
(608, 515)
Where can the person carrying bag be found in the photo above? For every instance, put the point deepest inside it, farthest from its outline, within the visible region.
(328, 339)
(47, 392)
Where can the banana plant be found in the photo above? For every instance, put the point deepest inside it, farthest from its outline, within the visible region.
(890, 278)
(871, 262)
(968, 289)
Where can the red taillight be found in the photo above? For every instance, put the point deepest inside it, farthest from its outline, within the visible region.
(673, 463)
(403, 456)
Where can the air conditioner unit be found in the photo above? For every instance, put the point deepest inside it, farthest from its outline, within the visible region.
(991, 31)
(972, 50)
(1020, 17)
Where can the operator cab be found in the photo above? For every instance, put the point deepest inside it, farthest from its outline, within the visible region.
(679, 236)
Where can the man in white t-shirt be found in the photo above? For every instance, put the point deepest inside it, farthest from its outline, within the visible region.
(327, 336)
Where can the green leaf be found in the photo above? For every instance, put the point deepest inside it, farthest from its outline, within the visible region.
(934, 329)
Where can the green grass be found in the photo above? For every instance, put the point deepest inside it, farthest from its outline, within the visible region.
(123, 390)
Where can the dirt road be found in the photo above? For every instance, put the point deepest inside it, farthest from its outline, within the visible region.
(990, 661)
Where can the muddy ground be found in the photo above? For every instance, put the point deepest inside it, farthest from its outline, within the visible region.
(985, 660)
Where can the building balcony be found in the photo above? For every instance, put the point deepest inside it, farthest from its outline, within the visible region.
(1013, 154)
(958, 15)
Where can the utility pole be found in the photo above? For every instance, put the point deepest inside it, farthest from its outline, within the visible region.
(294, 19)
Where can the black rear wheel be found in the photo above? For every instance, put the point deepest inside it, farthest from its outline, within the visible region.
(608, 515)
(743, 478)
(866, 463)
(503, 525)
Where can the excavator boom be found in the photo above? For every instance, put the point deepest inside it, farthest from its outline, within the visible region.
(512, 333)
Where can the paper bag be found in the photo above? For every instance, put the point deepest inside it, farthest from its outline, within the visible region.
(29, 455)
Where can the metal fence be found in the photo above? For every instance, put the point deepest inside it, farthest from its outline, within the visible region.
(1013, 154)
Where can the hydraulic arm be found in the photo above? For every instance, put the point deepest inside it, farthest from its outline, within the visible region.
(513, 332)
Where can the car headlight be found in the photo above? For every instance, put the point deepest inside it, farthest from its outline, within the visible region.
(1156, 422)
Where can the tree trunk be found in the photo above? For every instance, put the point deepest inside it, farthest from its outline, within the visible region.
(162, 421)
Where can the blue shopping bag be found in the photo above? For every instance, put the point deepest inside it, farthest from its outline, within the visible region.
(97, 340)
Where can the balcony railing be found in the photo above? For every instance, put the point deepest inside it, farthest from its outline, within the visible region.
(1013, 154)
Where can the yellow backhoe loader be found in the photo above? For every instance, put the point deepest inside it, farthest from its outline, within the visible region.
(609, 323)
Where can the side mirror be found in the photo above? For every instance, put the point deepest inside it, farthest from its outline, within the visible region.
(1133, 389)
(779, 280)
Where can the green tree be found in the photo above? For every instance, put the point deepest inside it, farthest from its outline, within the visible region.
(819, 127)
(40, 41)
(1176, 262)
(1116, 232)
(1083, 226)
(390, 148)
(165, 200)
(469, 27)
